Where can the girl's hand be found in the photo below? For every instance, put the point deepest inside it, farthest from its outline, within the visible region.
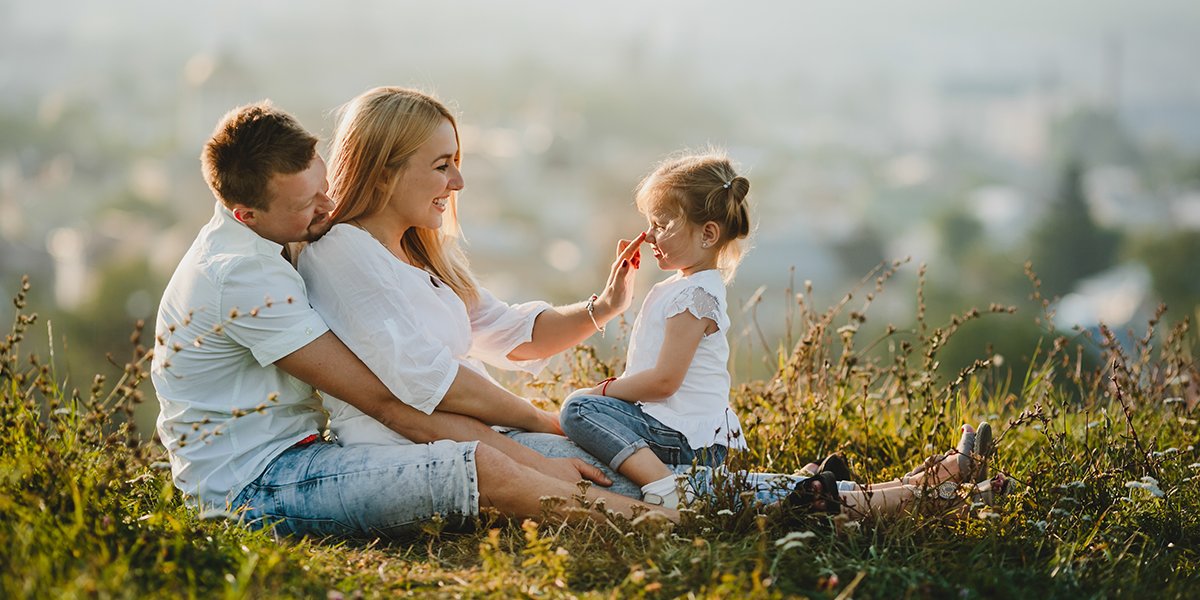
(618, 292)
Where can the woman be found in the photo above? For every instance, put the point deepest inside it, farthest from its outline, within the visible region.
(391, 281)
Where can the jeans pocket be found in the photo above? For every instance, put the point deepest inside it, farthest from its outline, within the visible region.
(667, 444)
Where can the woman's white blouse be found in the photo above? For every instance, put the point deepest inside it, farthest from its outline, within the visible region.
(409, 328)
(700, 408)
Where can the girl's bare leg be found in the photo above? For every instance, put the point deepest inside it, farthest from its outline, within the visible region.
(643, 466)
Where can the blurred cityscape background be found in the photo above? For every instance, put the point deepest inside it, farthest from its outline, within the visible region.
(970, 137)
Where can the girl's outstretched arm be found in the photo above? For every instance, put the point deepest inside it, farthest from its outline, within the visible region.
(559, 328)
(682, 337)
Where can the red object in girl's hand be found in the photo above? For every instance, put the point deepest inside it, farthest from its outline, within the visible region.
(636, 260)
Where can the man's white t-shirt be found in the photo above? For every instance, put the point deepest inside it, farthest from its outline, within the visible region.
(233, 307)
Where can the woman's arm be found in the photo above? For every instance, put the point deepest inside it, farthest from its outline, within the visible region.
(374, 316)
(474, 395)
(683, 333)
(328, 365)
(557, 329)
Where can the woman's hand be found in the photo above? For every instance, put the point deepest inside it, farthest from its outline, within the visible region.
(618, 292)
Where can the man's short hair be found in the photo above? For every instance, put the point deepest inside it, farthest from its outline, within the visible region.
(250, 145)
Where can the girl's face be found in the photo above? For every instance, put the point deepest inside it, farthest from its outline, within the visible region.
(675, 242)
(423, 188)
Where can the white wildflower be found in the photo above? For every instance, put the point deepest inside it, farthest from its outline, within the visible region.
(1147, 483)
(795, 536)
(1094, 424)
(1175, 400)
(794, 539)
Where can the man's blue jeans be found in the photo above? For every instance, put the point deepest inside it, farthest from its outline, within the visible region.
(364, 490)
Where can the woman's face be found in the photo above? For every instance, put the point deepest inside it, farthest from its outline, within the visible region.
(426, 182)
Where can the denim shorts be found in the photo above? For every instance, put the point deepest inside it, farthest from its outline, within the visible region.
(324, 489)
(613, 430)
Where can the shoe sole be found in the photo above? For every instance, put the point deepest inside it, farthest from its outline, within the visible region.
(983, 451)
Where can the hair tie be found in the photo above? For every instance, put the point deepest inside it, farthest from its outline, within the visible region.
(727, 184)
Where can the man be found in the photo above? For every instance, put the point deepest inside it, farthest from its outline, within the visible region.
(239, 352)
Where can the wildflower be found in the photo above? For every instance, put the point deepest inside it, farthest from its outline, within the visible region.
(1147, 483)
(987, 513)
(1094, 424)
(795, 536)
(725, 512)
(1175, 400)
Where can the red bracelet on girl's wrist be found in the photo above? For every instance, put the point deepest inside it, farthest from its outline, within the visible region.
(604, 385)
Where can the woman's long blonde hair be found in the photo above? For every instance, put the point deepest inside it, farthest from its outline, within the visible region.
(376, 134)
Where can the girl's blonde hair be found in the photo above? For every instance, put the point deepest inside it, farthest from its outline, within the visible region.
(377, 132)
(701, 188)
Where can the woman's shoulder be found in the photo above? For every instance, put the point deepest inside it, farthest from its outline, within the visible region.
(342, 244)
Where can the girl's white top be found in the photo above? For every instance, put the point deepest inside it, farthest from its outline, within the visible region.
(700, 408)
(408, 326)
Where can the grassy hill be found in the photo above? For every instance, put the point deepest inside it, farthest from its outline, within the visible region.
(1103, 461)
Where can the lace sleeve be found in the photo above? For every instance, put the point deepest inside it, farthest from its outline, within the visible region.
(697, 301)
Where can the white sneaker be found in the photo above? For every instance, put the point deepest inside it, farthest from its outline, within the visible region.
(670, 500)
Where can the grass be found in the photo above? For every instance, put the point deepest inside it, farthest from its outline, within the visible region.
(1099, 437)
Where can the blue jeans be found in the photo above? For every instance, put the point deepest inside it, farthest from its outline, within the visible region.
(613, 430)
(325, 489)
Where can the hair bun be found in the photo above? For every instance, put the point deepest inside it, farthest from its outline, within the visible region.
(740, 187)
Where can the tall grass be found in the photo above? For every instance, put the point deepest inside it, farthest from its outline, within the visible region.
(1098, 437)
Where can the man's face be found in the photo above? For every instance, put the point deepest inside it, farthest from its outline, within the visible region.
(298, 207)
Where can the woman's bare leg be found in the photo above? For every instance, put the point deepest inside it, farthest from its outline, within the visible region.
(516, 490)
(890, 497)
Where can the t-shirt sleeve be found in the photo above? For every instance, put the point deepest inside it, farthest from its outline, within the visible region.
(698, 301)
(497, 328)
(372, 315)
(265, 308)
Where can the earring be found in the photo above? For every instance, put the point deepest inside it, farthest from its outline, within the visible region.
(704, 245)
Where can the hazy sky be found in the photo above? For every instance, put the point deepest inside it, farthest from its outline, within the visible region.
(721, 43)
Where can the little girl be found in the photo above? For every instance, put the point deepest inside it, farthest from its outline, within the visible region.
(671, 406)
